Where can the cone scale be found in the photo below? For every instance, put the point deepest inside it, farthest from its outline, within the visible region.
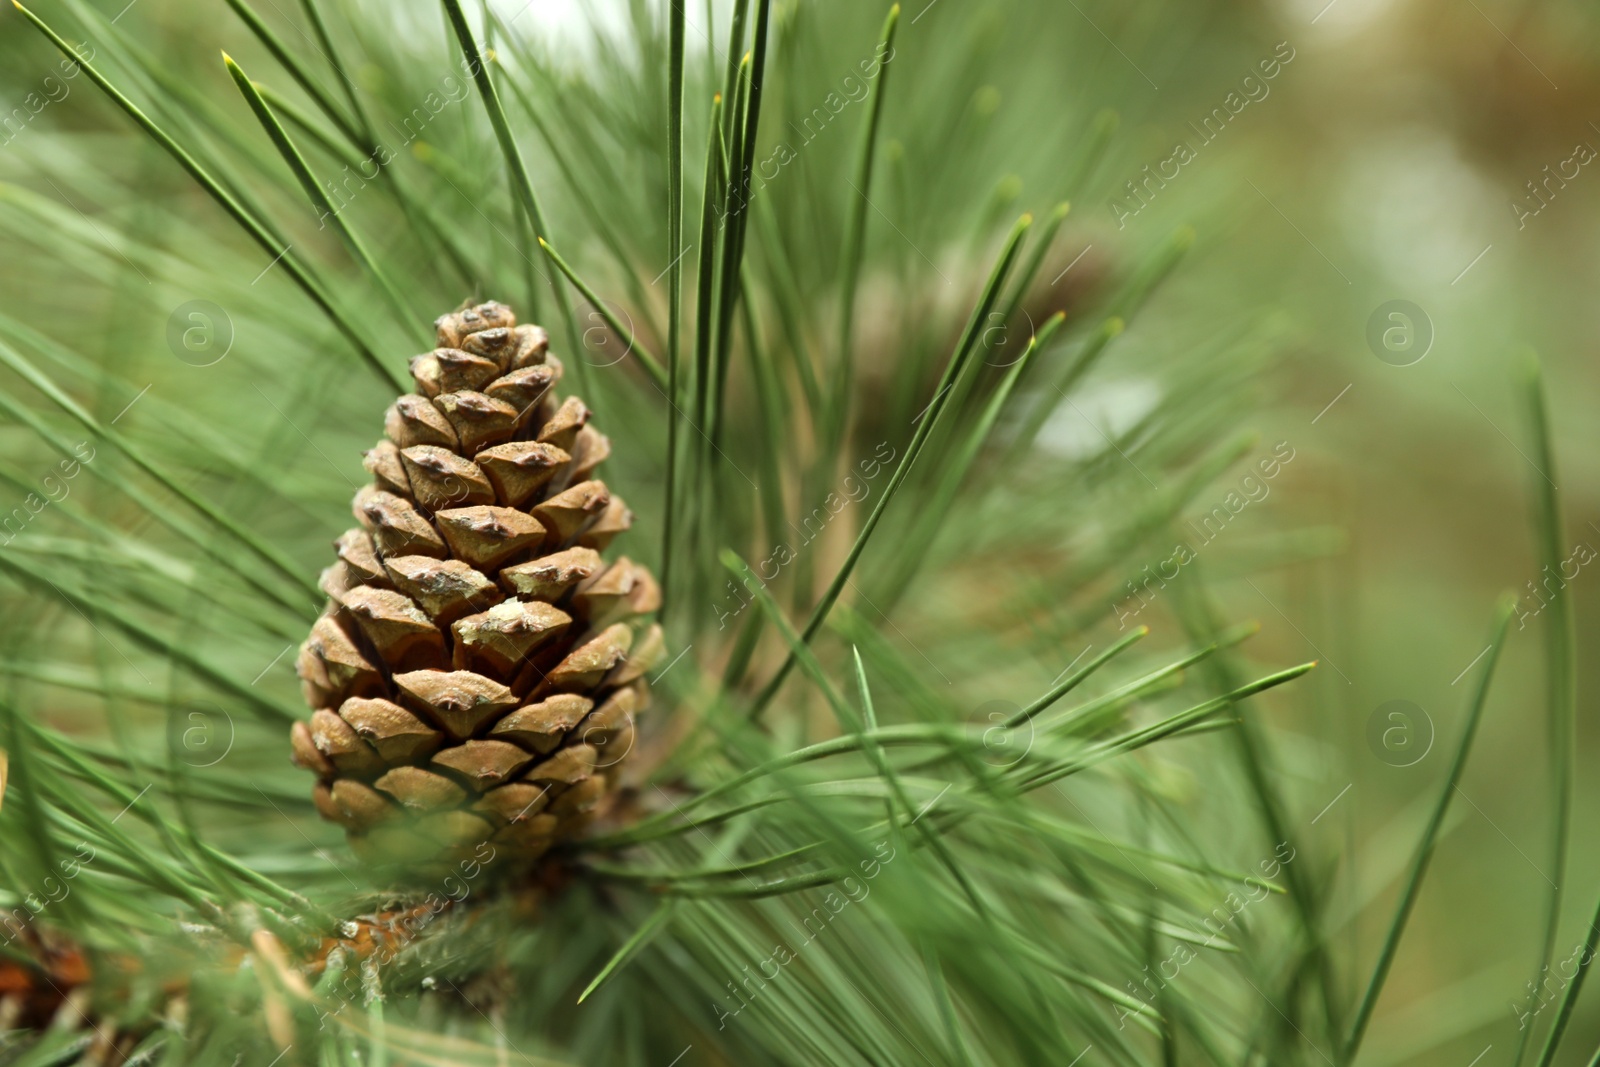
(474, 678)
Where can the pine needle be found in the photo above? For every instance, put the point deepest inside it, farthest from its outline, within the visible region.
(1412, 887)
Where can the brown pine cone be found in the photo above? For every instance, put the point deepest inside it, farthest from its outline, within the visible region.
(475, 676)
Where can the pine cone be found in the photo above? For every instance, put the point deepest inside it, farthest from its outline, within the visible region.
(475, 676)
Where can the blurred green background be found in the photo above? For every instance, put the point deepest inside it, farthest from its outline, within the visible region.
(1385, 165)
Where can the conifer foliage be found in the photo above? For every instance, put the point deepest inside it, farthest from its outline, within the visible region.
(905, 793)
